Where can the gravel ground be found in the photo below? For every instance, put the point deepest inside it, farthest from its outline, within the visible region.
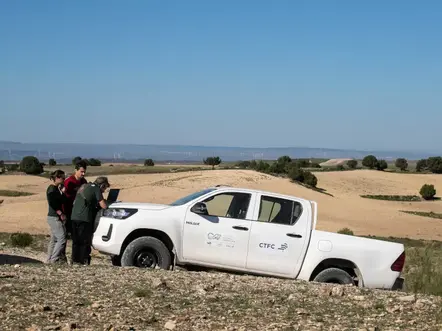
(37, 296)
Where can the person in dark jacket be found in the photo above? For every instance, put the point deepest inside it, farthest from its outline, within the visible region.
(88, 201)
(56, 219)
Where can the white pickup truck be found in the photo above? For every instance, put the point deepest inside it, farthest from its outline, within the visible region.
(244, 230)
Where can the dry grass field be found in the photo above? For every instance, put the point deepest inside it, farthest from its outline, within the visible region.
(344, 209)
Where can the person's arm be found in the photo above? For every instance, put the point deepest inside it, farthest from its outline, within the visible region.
(100, 198)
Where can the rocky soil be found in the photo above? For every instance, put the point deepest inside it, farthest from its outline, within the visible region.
(37, 296)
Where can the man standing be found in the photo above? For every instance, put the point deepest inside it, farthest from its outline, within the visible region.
(71, 186)
(88, 202)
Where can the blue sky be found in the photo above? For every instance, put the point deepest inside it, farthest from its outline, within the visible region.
(338, 74)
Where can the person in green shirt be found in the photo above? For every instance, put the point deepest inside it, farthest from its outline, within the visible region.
(88, 201)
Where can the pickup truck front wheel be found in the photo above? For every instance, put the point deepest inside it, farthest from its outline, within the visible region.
(146, 252)
(334, 275)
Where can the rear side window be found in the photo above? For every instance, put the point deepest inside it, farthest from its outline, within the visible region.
(280, 211)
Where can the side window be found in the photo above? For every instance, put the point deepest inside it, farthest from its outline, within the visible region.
(232, 205)
(277, 210)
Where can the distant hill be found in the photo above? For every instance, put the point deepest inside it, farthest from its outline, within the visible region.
(175, 153)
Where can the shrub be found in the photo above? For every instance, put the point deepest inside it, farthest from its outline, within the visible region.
(427, 192)
(76, 159)
(310, 179)
(212, 161)
(149, 163)
(52, 162)
(401, 163)
(296, 174)
(381, 165)
(340, 167)
(315, 165)
(94, 162)
(31, 165)
(346, 231)
(21, 239)
(370, 161)
(421, 165)
(434, 164)
(262, 166)
(352, 164)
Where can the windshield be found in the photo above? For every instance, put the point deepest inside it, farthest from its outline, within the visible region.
(190, 197)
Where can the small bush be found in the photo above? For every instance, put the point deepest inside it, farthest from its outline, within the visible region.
(340, 167)
(370, 161)
(21, 239)
(381, 165)
(212, 161)
(296, 174)
(346, 231)
(94, 162)
(31, 165)
(352, 164)
(310, 179)
(427, 192)
(401, 164)
(52, 162)
(149, 163)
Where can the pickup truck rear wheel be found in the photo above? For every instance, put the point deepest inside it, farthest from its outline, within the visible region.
(146, 252)
(334, 275)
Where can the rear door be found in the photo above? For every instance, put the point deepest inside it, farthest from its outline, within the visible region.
(279, 236)
(220, 238)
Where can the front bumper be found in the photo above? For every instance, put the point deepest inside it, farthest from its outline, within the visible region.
(398, 284)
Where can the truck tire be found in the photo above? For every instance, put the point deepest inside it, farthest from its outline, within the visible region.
(334, 275)
(146, 252)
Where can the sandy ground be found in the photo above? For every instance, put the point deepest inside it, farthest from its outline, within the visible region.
(345, 209)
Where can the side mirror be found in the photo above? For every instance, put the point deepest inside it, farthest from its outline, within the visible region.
(199, 208)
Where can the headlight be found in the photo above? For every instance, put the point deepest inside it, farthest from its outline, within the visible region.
(119, 213)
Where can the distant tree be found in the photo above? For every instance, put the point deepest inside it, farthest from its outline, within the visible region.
(421, 165)
(149, 163)
(94, 162)
(212, 161)
(52, 162)
(76, 159)
(2, 166)
(427, 192)
(381, 165)
(434, 164)
(401, 163)
(340, 167)
(352, 164)
(31, 165)
(370, 161)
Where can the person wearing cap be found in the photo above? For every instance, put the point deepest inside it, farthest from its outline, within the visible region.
(88, 201)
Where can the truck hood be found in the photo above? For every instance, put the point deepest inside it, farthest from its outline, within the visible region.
(139, 205)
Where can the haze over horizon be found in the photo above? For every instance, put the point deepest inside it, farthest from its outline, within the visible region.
(358, 76)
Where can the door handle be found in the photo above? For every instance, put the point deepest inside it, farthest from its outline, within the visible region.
(243, 228)
(294, 235)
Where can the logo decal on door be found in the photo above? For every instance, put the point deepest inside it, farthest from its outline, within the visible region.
(283, 246)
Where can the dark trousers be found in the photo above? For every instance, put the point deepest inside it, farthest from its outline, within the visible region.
(82, 233)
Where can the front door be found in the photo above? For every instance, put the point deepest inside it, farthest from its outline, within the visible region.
(279, 236)
(221, 237)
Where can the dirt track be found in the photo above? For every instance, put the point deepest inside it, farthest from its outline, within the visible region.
(345, 209)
